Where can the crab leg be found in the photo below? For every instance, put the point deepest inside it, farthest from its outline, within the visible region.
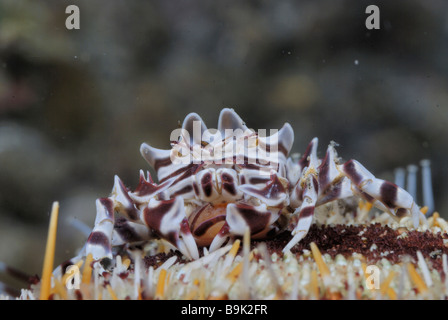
(168, 219)
(126, 231)
(222, 236)
(307, 188)
(383, 194)
(273, 193)
(340, 181)
(240, 217)
(329, 185)
(305, 212)
(104, 236)
(99, 241)
(332, 183)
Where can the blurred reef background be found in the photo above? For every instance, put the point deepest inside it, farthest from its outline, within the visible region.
(75, 105)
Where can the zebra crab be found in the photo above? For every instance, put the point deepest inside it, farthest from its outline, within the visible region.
(211, 198)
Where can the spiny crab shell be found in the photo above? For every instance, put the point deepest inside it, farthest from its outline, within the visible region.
(214, 185)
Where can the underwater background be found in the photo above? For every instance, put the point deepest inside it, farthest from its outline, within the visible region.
(75, 105)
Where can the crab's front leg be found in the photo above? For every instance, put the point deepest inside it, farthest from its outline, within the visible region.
(341, 181)
(141, 221)
(303, 216)
(167, 218)
(384, 195)
(100, 239)
(240, 217)
(109, 231)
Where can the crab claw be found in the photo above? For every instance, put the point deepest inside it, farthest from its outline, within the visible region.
(222, 236)
(168, 219)
(240, 217)
(126, 231)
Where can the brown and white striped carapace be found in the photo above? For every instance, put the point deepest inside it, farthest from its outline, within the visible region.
(214, 185)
